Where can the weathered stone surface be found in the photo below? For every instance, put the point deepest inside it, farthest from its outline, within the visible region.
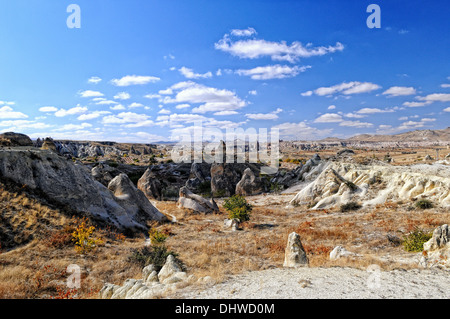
(171, 272)
(436, 251)
(133, 200)
(150, 185)
(295, 255)
(250, 184)
(104, 173)
(339, 252)
(232, 224)
(15, 139)
(49, 144)
(200, 174)
(197, 203)
(68, 183)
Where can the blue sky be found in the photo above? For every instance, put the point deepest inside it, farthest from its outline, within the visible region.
(145, 71)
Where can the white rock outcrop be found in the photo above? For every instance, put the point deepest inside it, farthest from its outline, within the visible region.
(295, 255)
(437, 249)
(339, 183)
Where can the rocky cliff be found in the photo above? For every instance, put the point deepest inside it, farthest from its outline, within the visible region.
(71, 184)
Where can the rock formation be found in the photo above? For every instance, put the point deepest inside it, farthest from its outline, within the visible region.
(338, 183)
(49, 144)
(437, 249)
(250, 184)
(104, 173)
(295, 255)
(68, 183)
(196, 203)
(15, 139)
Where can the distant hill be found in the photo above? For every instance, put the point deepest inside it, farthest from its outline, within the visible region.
(412, 136)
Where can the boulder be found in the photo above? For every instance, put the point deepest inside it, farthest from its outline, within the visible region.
(233, 224)
(339, 252)
(200, 174)
(436, 251)
(224, 179)
(49, 144)
(171, 272)
(104, 173)
(150, 185)
(15, 139)
(295, 255)
(250, 184)
(197, 203)
(135, 202)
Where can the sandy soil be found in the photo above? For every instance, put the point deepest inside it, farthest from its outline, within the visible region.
(328, 283)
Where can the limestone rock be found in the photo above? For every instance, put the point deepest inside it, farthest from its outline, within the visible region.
(200, 174)
(223, 179)
(15, 139)
(295, 255)
(150, 185)
(250, 184)
(49, 144)
(135, 202)
(339, 252)
(197, 203)
(104, 173)
(233, 224)
(437, 249)
(171, 272)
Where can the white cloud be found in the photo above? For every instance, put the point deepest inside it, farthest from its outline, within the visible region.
(437, 97)
(72, 111)
(447, 109)
(18, 125)
(134, 80)
(356, 124)
(328, 118)
(253, 92)
(48, 109)
(346, 88)
(399, 91)
(125, 117)
(278, 51)
(152, 96)
(301, 131)
(164, 111)
(226, 113)
(190, 74)
(135, 105)
(182, 106)
(332, 107)
(106, 102)
(445, 86)
(168, 91)
(273, 72)
(94, 80)
(73, 127)
(91, 116)
(122, 96)
(416, 104)
(118, 107)
(90, 93)
(373, 111)
(268, 116)
(243, 33)
(211, 99)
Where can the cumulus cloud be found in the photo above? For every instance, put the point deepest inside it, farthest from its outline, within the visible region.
(190, 74)
(94, 80)
(273, 72)
(345, 88)
(437, 97)
(243, 33)
(265, 116)
(72, 111)
(329, 118)
(48, 109)
(125, 117)
(399, 91)
(277, 51)
(122, 96)
(210, 99)
(134, 80)
(417, 104)
(356, 124)
(90, 93)
(91, 116)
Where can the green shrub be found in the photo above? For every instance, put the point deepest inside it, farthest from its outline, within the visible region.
(157, 237)
(350, 206)
(414, 241)
(424, 204)
(238, 207)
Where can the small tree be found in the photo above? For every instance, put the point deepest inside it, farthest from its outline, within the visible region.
(238, 207)
(83, 237)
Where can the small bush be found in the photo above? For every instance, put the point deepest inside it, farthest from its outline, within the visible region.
(424, 204)
(157, 237)
(350, 206)
(415, 240)
(83, 238)
(238, 207)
